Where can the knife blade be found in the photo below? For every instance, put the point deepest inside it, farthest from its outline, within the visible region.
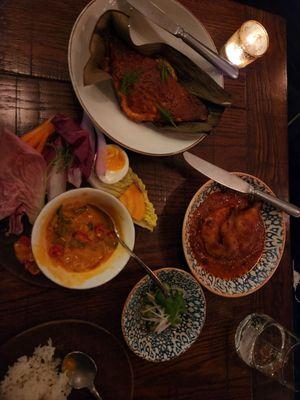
(218, 174)
(234, 182)
(159, 17)
(153, 12)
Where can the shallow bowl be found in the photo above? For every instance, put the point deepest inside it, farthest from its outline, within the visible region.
(267, 264)
(173, 341)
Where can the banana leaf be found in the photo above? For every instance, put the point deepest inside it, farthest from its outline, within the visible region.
(193, 78)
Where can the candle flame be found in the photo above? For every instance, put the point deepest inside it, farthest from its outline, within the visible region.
(251, 39)
(235, 53)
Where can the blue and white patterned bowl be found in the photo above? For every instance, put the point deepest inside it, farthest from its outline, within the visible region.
(266, 265)
(174, 340)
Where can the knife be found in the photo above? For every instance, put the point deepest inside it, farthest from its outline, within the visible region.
(234, 182)
(159, 17)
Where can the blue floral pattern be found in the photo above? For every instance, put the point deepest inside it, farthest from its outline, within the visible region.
(174, 340)
(266, 265)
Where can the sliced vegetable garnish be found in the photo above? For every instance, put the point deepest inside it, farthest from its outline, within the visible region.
(160, 312)
(134, 201)
(117, 189)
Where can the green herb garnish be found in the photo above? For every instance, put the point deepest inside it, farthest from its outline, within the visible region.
(128, 81)
(160, 312)
(60, 215)
(164, 71)
(166, 115)
(90, 226)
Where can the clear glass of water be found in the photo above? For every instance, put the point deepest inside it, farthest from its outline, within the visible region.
(265, 345)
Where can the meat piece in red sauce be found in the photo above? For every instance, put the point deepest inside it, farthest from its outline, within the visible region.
(227, 234)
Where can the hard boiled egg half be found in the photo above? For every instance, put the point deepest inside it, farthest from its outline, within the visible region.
(116, 164)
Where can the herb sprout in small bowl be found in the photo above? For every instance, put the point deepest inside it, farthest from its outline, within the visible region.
(157, 328)
(159, 312)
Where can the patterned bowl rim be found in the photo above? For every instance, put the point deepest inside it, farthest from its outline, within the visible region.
(184, 245)
(132, 293)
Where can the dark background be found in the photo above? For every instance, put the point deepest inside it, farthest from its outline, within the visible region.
(290, 10)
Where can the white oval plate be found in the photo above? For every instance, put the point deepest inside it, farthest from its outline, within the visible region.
(99, 100)
(105, 271)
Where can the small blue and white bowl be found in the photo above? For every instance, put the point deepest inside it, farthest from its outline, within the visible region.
(267, 264)
(173, 341)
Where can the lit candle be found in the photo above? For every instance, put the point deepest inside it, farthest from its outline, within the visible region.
(247, 44)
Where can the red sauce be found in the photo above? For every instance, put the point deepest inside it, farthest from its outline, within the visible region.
(227, 234)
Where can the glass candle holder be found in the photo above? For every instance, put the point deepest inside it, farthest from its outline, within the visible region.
(247, 44)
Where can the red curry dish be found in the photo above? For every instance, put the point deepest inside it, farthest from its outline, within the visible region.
(80, 237)
(148, 88)
(227, 234)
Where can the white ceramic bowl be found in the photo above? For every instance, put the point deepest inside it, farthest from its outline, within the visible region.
(104, 272)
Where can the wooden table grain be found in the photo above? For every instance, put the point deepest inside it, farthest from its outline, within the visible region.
(252, 137)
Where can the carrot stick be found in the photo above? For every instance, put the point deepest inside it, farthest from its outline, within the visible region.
(33, 141)
(34, 137)
(43, 140)
(31, 134)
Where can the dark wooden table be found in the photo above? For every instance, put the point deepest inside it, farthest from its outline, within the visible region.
(252, 137)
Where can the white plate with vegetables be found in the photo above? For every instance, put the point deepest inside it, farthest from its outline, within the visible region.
(159, 329)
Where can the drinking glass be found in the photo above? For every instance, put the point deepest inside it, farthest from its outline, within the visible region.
(264, 344)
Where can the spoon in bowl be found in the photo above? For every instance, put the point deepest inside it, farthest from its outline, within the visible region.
(141, 262)
(81, 370)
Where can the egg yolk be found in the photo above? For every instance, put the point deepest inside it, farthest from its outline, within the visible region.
(115, 159)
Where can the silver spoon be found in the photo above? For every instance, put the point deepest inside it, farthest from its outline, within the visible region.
(147, 269)
(81, 370)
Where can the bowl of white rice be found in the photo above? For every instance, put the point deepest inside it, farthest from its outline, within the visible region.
(36, 377)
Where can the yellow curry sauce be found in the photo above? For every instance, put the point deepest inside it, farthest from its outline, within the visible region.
(80, 237)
